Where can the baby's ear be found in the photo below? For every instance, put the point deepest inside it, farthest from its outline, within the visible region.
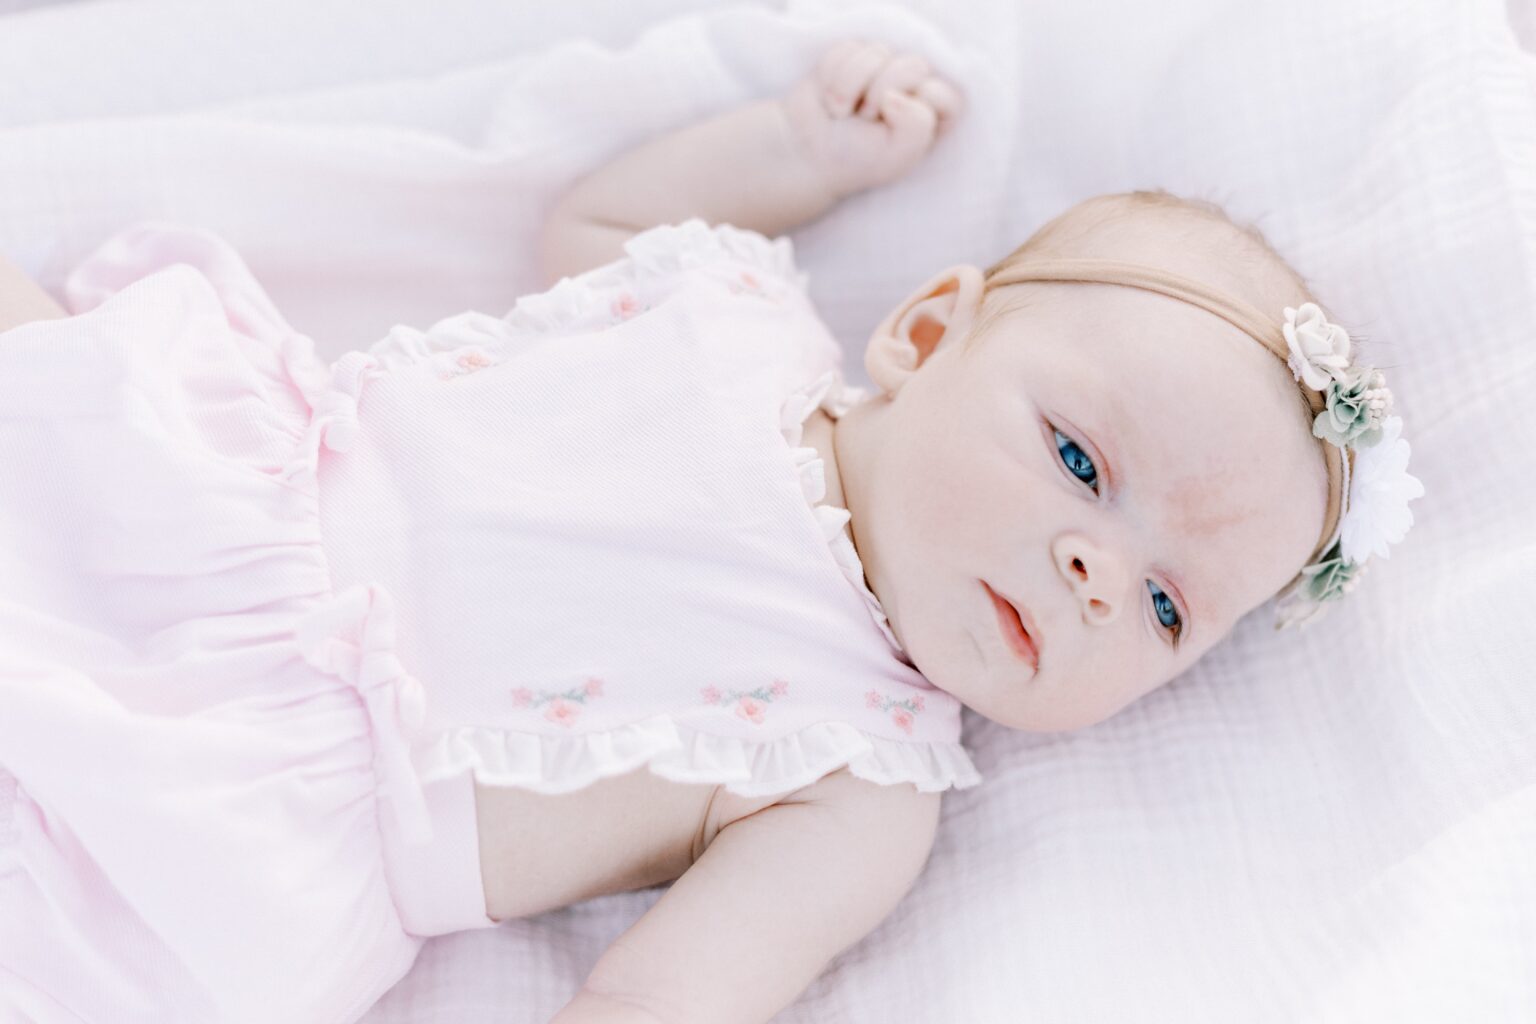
(939, 312)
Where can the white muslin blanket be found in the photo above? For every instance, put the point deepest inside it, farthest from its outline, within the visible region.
(1332, 826)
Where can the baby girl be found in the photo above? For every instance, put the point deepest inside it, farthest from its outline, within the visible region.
(302, 664)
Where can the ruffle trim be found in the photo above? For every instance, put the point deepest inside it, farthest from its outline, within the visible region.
(562, 764)
(692, 243)
(596, 297)
(830, 393)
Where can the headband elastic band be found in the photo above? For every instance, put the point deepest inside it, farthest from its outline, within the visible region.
(1266, 330)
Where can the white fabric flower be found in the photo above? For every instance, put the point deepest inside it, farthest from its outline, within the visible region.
(1379, 492)
(1319, 349)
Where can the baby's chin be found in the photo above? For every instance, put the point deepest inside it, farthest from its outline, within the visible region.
(966, 676)
(1040, 704)
(990, 683)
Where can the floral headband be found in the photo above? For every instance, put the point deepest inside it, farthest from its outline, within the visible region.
(1369, 486)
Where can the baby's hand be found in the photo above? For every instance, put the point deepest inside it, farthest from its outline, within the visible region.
(867, 116)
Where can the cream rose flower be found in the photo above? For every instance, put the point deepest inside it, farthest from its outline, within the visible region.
(1379, 492)
(1319, 350)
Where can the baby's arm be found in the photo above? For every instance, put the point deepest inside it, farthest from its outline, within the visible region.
(773, 899)
(864, 117)
(22, 299)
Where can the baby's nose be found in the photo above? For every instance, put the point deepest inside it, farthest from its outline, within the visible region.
(1095, 575)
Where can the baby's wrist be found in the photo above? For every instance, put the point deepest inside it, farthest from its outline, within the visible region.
(800, 164)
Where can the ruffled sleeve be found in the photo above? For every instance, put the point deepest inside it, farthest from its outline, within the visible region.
(741, 260)
(693, 244)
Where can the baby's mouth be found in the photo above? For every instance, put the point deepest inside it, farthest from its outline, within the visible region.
(1016, 634)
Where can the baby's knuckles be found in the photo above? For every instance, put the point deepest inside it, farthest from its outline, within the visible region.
(849, 153)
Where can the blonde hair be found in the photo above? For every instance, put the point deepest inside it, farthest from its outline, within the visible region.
(1270, 282)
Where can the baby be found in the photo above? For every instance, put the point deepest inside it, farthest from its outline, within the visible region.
(626, 587)
(1063, 495)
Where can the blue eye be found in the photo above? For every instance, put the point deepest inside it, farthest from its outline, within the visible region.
(1162, 604)
(1076, 460)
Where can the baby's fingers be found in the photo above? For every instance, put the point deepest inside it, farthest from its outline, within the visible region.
(903, 74)
(913, 122)
(848, 70)
(943, 97)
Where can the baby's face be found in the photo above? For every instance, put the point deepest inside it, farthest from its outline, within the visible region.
(1183, 491)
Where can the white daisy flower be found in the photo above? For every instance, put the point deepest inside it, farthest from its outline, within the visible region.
(1379, 492)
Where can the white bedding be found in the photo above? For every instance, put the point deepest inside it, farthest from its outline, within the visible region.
(1337, 826)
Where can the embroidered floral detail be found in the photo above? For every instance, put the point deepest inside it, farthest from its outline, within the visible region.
(469, 362)
(562, 708)
(624, 306)
(749, 703)
(901, 710)
(744, 282)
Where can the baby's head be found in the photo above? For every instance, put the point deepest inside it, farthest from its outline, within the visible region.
(1120, 465)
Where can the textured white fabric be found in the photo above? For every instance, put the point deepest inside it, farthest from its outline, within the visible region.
(1332, 827)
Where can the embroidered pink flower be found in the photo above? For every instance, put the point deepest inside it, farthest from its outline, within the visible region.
(561, 713)
(901, 710)
(624, 306)
(749, 703)
(564, 705)
(750, 710)
(469, 362)
(747, 283)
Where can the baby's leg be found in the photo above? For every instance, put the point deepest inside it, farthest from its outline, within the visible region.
(22, 300)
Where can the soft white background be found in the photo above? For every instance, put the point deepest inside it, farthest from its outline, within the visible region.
(1333, 827)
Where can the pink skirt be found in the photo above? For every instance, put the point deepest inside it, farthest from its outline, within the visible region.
(208, 810)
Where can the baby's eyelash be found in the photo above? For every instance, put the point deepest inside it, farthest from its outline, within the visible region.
(1079, 461)
(1063, 442)
(1176, 629)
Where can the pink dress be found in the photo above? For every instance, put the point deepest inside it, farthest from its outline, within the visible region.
(263, 621)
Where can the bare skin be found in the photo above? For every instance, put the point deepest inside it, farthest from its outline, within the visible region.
(23, 300)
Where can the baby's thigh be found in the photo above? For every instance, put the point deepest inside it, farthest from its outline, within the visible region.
(22, 300)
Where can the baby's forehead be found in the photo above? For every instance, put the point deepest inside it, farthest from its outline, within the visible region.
(1197, 395)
